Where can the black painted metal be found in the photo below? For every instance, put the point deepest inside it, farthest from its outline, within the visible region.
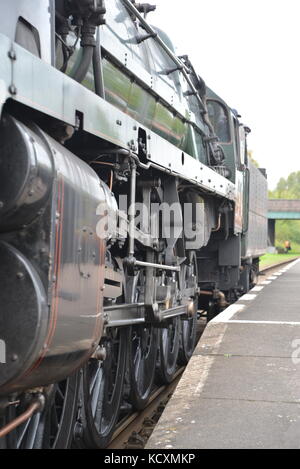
(189, 325)
(51, 269)
(53, 427)
(142, 352)
(102, 391)
(168, 340)
(27, 174)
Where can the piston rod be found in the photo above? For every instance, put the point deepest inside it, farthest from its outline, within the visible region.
(157, 266)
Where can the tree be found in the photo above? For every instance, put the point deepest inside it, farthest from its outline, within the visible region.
(287, 188)
(250, 156)
(287, 229)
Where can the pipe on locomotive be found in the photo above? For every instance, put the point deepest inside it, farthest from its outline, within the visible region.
(36, 406)
(98, 68)
(87, 15)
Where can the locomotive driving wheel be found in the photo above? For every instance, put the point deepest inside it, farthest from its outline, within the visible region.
(102, 387)
(189, 326)
(168, 338)
(142, 361)
(53, 427)
(142, 349)
(168, 351)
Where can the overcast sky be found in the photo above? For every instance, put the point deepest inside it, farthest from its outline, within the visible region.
(248, 52)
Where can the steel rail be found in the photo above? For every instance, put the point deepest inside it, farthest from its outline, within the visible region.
(135, 422)
(279, 264)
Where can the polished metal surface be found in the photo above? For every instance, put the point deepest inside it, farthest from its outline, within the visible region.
(131, 314)
(60, 260)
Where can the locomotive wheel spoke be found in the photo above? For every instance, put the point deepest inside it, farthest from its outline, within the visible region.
(142, 360)
(102, 391)
(52, 428)
(32, 432)
(168, 351)
(55, 422)
(189, 326)
(188, 338)
(142, 347)
(22, 434)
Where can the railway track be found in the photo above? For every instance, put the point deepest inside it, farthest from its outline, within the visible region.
(275, 266)
(134, 431)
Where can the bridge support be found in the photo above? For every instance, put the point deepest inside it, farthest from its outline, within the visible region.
(271, 232)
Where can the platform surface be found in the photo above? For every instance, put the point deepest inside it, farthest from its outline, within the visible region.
(241, 388)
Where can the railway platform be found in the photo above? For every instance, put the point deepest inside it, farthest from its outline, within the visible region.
(241, 388)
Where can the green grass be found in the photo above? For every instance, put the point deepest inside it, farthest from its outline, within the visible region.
(270, 259)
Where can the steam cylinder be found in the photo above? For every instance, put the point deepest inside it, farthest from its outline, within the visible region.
(51, 259)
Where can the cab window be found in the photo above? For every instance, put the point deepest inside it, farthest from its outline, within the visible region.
(218, 117)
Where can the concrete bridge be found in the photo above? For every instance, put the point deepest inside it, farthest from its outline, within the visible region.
(281, 209)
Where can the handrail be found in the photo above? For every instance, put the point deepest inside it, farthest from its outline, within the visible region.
(176, 60)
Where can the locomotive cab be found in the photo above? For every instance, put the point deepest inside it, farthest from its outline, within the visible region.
(229, 132)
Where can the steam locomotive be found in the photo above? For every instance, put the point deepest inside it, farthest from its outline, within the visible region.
(127, 204)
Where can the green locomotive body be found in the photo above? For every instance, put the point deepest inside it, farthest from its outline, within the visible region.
(127, 204)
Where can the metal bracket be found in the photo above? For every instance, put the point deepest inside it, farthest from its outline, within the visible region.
(189, 93)
(172, 70)
(143, 38)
